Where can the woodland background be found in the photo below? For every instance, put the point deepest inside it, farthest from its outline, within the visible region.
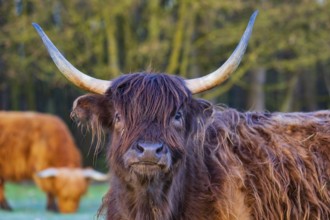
(286, 66)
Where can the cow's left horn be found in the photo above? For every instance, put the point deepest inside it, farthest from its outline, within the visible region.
(221, 74)
(80, 79)
(50, 172)
(95, 175)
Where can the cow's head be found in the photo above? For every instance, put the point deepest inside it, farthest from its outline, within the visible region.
(67, 185)
(150, 116)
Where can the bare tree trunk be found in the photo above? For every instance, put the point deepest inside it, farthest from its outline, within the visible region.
(30, 94)
(326, 77)
(153, 23)
(153, 8)
(256, 98)
(4, 96)
(187, 44)
(308, 84)
(288, 99)
(178, 38)
(109, 17)
(14, 95)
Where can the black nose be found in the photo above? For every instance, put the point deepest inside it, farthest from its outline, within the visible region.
(150, 150)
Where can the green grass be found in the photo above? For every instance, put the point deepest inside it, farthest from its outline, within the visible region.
(29, 202)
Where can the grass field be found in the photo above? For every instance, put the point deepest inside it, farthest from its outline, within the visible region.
(29, 203)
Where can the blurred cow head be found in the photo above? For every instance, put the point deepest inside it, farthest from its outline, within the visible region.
(67, 185)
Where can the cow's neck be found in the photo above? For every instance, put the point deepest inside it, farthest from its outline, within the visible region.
(150, 199)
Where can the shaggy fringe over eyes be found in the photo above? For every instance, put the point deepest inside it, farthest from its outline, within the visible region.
(144, 100)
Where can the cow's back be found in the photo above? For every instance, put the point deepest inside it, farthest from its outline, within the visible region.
(31, 142)
(283, 160)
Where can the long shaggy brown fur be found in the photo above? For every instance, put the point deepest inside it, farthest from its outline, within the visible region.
(283, 158)
(224, 164)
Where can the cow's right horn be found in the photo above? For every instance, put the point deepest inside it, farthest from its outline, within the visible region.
(222, 73)
(50, 172)
(95, 175)
(80, 79)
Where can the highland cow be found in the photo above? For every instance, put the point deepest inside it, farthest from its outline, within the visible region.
(40, 147)
(173, 156)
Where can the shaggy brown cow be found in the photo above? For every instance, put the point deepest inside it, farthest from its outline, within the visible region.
(176, 157)
(40, 146)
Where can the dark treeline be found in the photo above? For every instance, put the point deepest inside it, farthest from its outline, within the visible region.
(286, 67)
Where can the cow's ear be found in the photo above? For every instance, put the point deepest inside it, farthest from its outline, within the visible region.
(203, 108)
(199, 111)
(93, 110)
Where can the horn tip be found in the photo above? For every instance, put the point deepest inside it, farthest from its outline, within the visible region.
(253, 16)
(37, 27)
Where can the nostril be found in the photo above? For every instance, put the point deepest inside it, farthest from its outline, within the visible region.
(160, 149)
(139, 148)
(150, 149)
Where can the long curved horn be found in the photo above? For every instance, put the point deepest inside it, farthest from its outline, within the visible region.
(95, 175)
(222, 73)
(49, 172)
(80, 79)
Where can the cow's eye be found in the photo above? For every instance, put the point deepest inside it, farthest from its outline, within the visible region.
(117, 117)
(178, 116)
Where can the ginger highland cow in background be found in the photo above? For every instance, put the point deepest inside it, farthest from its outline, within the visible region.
(40, 147)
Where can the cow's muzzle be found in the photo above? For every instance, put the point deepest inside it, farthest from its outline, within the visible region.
(149, 152)
(148, 157)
